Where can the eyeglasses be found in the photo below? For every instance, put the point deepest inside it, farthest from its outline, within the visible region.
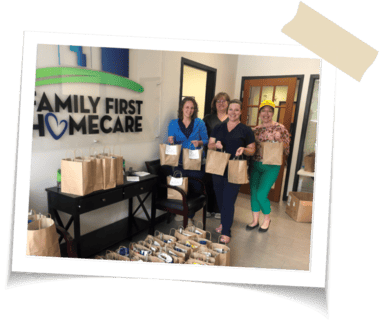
(221, 101)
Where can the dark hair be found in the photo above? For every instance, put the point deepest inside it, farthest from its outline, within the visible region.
(182, 103)
(216, 98)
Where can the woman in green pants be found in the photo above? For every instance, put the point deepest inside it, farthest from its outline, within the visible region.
(263, 176)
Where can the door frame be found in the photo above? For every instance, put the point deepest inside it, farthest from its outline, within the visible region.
(312, 80)
(211, 81)
(299, 92)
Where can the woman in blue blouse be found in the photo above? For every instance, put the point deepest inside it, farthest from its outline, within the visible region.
(188, 130)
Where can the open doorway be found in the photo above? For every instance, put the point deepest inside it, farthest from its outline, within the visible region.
(199, 81)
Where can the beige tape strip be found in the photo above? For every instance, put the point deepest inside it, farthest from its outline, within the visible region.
(330, 42)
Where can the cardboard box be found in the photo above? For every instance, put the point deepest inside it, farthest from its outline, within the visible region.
(299, 206)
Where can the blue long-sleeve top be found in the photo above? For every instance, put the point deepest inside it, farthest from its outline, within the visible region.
(199, 133)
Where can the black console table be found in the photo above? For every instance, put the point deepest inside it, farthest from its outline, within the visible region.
(95, 241)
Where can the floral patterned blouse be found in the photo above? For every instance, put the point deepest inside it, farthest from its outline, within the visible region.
(275, 132)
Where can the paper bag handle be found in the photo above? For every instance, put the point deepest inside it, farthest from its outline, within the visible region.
(238, 157)
(109, 150)
(170, 232)
(177, 172)
(92, 149)
(74, 153)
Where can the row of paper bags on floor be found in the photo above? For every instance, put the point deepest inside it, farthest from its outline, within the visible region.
(187, 246)
(98, 171)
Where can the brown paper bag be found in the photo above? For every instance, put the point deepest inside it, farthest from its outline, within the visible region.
(109, 171)
(32, 216)
(168, 239)
(109, 164)
(197, 262)
(272, 152)
(192, 158)
(77, 176)
(119, 167)
(198, 231)
(150, 246)
(152, 240)
(154, 259)
(178, 257)
(182, 249)
(309, 162)
(170, 159)
(111, 255)
(238, 171)
(216, 162)
(166, 257)
(204, 258)
(98, 183)
(224, 253)
(139, 250)
(42, 238)
(207, 251)
(181, 234)
(183, 185)
(190, 243)
(179, 250)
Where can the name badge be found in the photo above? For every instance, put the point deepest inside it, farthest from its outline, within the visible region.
(176, 181)
(194, 154)
(171, 150)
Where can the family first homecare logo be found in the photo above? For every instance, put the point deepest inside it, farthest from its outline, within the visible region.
(129, 111)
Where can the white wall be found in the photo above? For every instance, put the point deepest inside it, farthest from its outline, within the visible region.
(159, 73)
(276, 66)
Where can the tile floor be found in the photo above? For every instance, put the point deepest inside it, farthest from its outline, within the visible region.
(286, 245)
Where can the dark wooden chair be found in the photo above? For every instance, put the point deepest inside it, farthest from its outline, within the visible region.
(192, 202)
(71, 246)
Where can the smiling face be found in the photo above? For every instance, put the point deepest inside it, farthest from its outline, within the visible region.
(266, 114)
(234, 112)
(221, 104)
(188, 109)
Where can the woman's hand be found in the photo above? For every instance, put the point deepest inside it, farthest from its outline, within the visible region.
(240, 151)
(170, 140)
(219, 145)
(195, 143)
(277, 136)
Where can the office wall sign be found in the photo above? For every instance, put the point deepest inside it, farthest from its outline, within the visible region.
(121, 115)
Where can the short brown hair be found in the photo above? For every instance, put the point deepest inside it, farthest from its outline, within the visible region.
(216, 98)
(182, 103)
(235, 101)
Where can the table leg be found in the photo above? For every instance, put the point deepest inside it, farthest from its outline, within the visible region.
(130, 218)
(153, 212)
(77, 234)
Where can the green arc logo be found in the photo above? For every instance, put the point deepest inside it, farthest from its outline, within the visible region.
(81, 75)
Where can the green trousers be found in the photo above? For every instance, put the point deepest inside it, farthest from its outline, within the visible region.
(263, 177)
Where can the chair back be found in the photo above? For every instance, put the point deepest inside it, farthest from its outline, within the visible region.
(154, 167)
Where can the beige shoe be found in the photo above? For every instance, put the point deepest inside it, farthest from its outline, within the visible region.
(217, 216)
